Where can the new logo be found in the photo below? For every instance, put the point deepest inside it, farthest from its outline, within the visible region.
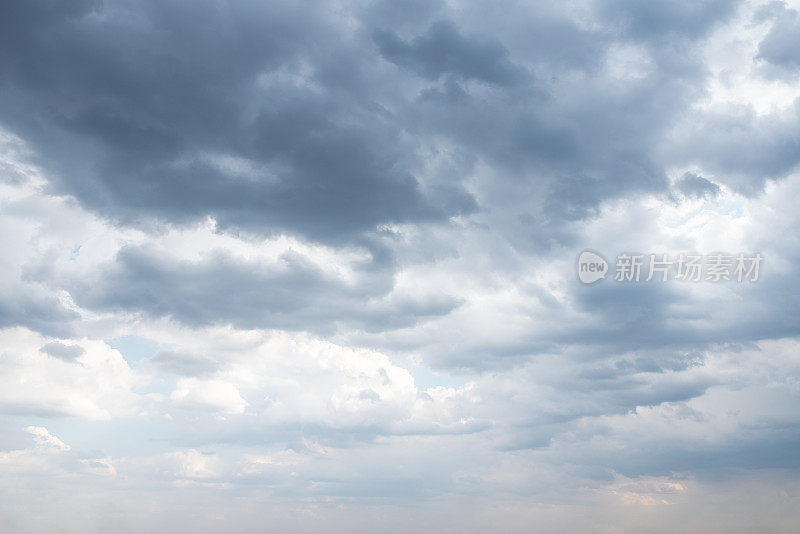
(591, 267)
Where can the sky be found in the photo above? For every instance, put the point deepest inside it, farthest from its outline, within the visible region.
(314, 266)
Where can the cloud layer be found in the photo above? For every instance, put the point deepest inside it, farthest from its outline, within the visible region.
(313, 266)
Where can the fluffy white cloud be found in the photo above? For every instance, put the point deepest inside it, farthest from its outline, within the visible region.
(208, 394)
(96, 385)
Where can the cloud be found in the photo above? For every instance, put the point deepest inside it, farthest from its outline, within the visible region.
(442, 51)
(290, 289)
(45, 440)
(314, 264)
(742, 149)
(179, 363)
(655, 22)
(694, 186)
(35, 383)
(134, 98)
(65, 352)
(211, 394)
(780, 46)
(293, 385)
(323, 161)
(49, 456)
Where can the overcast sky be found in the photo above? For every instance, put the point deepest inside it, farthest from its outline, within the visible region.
(311, 266)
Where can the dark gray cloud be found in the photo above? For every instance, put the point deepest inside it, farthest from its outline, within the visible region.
(654, 21)
(743, 150)
(127, 100)
(694, 186)
(668, 319)
(571, 136)
(781, 46)
(135, 105)
(442, 50)
(270, 130)
(294, 294)
(36, 310)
